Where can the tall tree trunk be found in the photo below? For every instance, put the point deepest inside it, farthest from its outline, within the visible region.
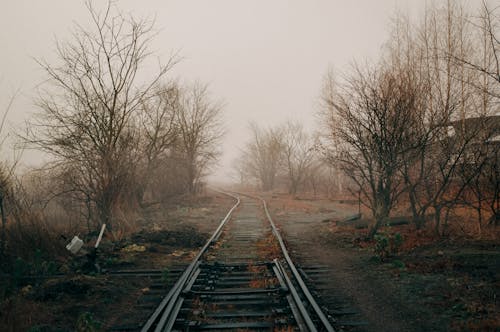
(418, 217)
(381, 214)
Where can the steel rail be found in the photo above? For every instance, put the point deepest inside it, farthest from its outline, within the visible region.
(165, 314)
(172, 314)
(305, 290)
(302, 317)
(296, 274)
(164, 309)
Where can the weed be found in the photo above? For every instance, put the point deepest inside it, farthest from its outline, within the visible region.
(87, 323)
(398, 264)
(41, 266)
(165, 275)
(268, 248)
(263, 283)
(110, 261)
(256, 269)
(387, 245)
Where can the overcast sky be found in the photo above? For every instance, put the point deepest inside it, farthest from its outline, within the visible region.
(264, 58)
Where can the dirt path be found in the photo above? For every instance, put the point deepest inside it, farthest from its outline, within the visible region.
(353, 280)
(381, 304)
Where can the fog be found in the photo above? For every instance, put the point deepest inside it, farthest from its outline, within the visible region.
(264, 60)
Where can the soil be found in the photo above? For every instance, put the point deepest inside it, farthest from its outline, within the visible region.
(168, 237)
(430, 284)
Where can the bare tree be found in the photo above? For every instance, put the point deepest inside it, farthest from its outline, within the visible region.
(200, 130)
(367, 118)
(298, 154)
(488, 25)
(479, 170)
(489, 181)
(263, 155)
(323, 177)
(450, 99)
(438, 143)
(409, 61)
(241, 170)
(482, 162)
(158, 132)
(86, 118)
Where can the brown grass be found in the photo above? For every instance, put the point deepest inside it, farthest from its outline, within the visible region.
(263, 283)
(268, 248)
(19, 314)
(257, 269)
(32, 233)
(284, 329)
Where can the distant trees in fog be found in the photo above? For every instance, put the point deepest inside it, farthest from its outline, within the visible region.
(283, 155)
(262, 155)
(298, 155)
(200, 130)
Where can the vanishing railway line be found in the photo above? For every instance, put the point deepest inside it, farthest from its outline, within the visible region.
(242, 279)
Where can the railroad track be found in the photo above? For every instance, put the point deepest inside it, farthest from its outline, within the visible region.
(243, 279)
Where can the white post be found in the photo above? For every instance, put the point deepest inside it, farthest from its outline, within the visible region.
(100, 236)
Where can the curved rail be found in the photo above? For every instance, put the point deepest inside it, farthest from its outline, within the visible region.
(166, 307)
(296, 274)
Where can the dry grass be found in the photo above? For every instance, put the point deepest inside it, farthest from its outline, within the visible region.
(19, 314)
(33, 233)
(284, 329)
(257, 269)
(263, 283)
(268, 248)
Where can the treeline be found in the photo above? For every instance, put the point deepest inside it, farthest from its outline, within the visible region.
(118, 136)
(419, 129)
(287, 156)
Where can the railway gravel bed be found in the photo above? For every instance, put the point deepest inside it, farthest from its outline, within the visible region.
(242, 280)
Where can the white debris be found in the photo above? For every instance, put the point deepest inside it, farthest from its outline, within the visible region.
(75, 245)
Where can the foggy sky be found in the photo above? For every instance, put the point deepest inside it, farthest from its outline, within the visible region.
(265, 59)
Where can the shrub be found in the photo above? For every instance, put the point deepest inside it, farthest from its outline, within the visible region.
(387, 245)
(31, 234)
(87, 323)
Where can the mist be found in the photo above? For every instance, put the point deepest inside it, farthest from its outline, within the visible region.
(264, 60)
